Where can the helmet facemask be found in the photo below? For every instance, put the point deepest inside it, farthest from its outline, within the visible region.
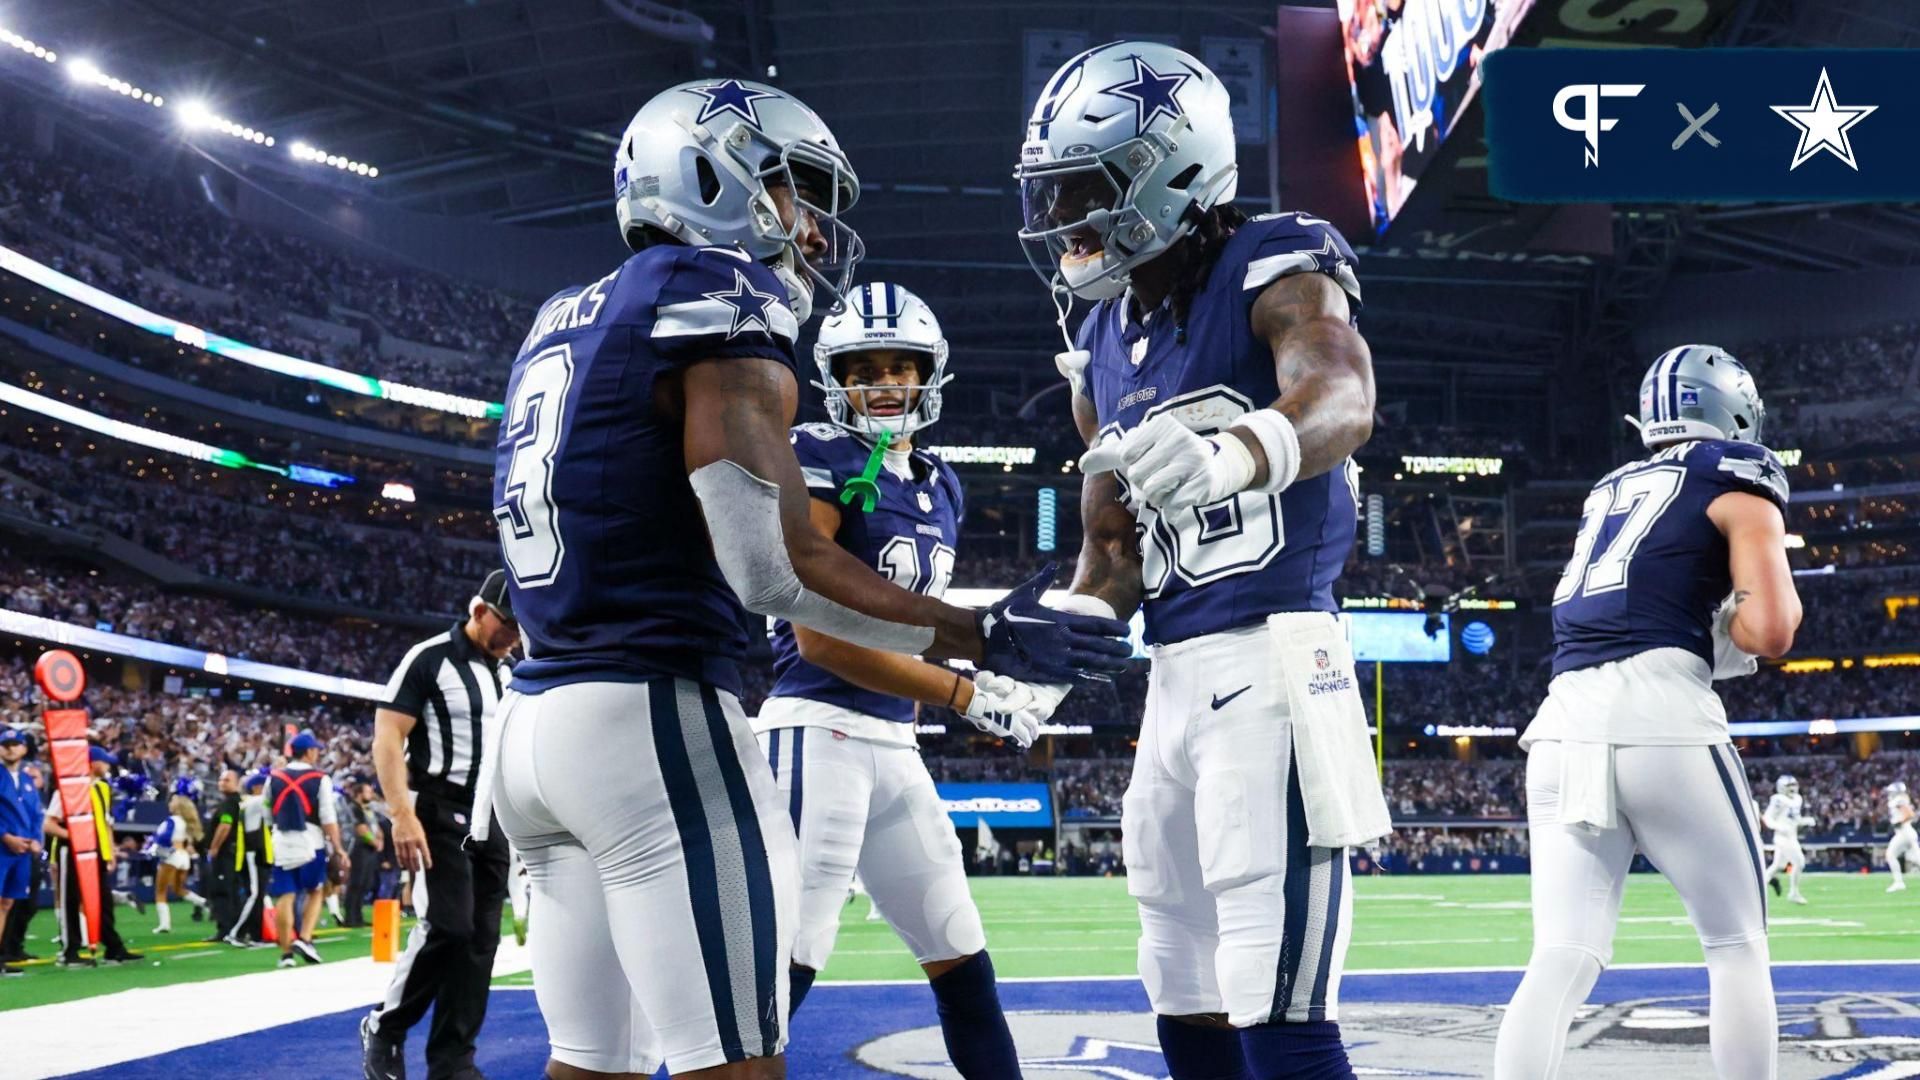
(823, 187)
(923, 396)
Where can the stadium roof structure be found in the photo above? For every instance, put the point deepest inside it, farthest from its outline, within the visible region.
(507, 110)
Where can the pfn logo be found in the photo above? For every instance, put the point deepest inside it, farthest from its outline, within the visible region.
(1590, 123)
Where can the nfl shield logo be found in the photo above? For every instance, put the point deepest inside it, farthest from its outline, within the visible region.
(1139, 352)
(926, 503)
(1689, 398)
(1320, 659)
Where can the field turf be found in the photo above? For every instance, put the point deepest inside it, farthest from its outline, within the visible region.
(1086, 926)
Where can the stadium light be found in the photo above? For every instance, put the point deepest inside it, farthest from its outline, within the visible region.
(302, 151)
(25, 45)
(87, 73)
(195, 115)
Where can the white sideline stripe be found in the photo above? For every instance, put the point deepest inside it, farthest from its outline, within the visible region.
(1352, 973)
(146, 1021)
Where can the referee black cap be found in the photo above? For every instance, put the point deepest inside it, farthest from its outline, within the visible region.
(493, 593)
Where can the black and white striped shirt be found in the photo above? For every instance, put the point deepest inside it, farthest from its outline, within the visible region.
(451, 688)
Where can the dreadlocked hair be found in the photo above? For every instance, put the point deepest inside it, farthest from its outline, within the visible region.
(1211, 231)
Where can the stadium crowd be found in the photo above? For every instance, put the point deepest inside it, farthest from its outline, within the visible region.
(124, 234)
(369, 568)
(85, 597)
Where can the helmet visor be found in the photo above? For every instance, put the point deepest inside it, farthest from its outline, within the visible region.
(1068, 197)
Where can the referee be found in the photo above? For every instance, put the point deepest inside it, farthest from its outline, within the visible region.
(427, 744)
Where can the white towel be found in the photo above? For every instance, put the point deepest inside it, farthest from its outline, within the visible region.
(482, 823)
(1586, 785)
(1339, 781)
(1729, 660)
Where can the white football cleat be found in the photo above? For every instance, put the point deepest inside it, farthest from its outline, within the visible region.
(1898, 886)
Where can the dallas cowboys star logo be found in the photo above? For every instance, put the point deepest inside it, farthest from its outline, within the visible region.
(731, 96)
(1823, 125)
(1153, 95)
(751, 307)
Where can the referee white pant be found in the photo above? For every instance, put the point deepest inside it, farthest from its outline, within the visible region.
(663, 866)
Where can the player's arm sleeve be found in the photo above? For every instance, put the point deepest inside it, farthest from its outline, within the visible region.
(1301, 244)
(329, 802)
(715, 305)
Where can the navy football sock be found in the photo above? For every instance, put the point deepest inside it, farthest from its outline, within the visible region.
(975, 1028)
(1309, 1051)
(1197, 1052)
(799, 981)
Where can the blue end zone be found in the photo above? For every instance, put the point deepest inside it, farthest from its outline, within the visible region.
(1441, 1024)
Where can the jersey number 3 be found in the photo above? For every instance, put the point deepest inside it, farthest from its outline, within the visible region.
(528, 519)
(1639, 499)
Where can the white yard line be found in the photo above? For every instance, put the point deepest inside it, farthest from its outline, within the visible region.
(147, 1021)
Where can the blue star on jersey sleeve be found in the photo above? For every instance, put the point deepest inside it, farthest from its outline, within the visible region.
(1746, 467)
(1298, 243)
(716, 304)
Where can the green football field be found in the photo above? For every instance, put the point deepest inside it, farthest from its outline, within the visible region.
(1041, 927)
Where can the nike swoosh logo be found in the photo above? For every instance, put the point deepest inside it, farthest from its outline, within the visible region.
(1011, 617)
(1220, 702)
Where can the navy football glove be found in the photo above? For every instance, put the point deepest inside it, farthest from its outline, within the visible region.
(1024, 640)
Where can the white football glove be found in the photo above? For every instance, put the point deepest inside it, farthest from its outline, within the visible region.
(1171, 468)
(1008, 708)
(1729, 660)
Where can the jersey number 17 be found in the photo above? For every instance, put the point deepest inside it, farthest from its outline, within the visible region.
(1635, 501)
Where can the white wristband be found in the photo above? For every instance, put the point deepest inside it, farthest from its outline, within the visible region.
(1281, 444)
(1084, 604)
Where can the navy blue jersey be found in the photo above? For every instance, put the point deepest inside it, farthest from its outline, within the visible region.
(1648, 567)
(910, 536)
(1232, 563)
(612, 576)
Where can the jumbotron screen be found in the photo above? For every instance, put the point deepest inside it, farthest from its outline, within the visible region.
(1414, 67)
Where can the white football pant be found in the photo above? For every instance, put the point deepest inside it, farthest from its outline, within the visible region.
(871, 808)
(662, 864)
(1688, 809)
(1904, 847)
(1237, 913)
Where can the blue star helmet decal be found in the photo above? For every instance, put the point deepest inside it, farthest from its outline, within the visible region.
(730, 97)
(1153, 95)
(751, 307)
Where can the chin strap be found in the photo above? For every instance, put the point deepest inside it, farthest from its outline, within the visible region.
(866, 487)
(1072, 363)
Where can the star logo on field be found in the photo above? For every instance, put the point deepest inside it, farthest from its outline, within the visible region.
(751, 307)
(1823, 125)
(1108, 1058)
(1153, 95)
(732, 96)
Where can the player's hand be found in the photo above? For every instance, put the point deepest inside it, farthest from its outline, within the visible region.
(1025, 640)
(15, 844)
(1170, 467)
(410, 843)
(1729, 660)
(1004, 707)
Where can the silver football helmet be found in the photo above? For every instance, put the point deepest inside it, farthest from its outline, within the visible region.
(1898, 787)
(1698, 392)
(1787, 785)
(1128, 143)
(697, 160)
(882, 316)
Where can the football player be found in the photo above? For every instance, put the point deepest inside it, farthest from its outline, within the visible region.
(647, 498)
(1904, 845)
(1222, 388)
(1785, 816)
(1630, 749)
(838, 727)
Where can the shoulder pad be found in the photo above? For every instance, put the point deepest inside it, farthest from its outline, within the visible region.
(1743, 467)
(1294, 242)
